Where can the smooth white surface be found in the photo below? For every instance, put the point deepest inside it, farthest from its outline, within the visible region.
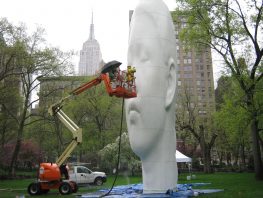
(151, 115)
(180, 157)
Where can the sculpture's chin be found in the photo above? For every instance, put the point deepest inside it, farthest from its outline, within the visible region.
(142, 140)
(138, 144)
(133, 118)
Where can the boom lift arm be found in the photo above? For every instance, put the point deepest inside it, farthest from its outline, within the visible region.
(118, 83)
(75, 130)
(56, 110)
(124, 86)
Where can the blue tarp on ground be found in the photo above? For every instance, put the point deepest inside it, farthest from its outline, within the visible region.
(136, 190)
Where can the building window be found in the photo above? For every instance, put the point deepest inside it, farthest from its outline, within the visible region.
(187, 75)
(187, 68)
(178, 61)
(202, 112)
(200, 67)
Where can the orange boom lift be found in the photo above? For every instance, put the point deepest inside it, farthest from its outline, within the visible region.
(118, 83)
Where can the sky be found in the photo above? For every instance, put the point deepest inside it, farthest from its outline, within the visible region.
(67, 23)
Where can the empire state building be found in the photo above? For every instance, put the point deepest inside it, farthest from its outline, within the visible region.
(90, 55)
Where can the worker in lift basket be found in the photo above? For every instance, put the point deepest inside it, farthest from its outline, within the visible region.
(113, 74)
(130, 74)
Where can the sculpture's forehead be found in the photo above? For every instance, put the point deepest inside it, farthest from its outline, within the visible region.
(152, 6)
(152, 36)
(150, 26)
(151, 20)
(149, 52)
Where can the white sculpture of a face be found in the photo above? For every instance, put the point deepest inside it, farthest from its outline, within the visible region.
(151, 115)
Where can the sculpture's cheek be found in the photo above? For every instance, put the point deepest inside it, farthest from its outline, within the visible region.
(145, 121)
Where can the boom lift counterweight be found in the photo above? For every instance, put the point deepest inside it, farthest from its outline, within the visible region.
(118, 83)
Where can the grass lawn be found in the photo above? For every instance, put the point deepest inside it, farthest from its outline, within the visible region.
(13, 188)
(234, 184)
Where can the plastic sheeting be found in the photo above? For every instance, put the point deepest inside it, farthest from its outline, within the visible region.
(136, 190)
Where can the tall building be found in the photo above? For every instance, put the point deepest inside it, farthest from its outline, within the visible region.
(90, 55)
(195, 74)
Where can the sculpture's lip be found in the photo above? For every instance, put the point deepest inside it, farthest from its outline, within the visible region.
(133, 107)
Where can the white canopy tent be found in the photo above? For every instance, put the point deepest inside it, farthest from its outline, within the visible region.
(180, 157)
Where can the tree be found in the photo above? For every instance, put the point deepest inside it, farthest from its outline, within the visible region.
(30, 154)
(93, 110)
(9, 101)
(232, 122)
(109, 155)
(99, 117)
(49, 132)
(189, 118)
(9, 86)
(31, 57)
(9, 49)
(232, 28)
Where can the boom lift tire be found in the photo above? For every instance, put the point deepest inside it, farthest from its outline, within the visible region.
(65, 188)
(75, 187)
(34, 189)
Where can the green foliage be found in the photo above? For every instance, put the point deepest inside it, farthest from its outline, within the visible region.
(210, 22)
(98, 115)
(231, 28)
(128, 160)
(225, 26)
(232, 124)
(232, 120)
(22, 56)
(10, 101)
(93, 110)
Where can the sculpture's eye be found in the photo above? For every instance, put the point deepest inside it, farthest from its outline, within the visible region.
(137, 53)
(143, 56)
